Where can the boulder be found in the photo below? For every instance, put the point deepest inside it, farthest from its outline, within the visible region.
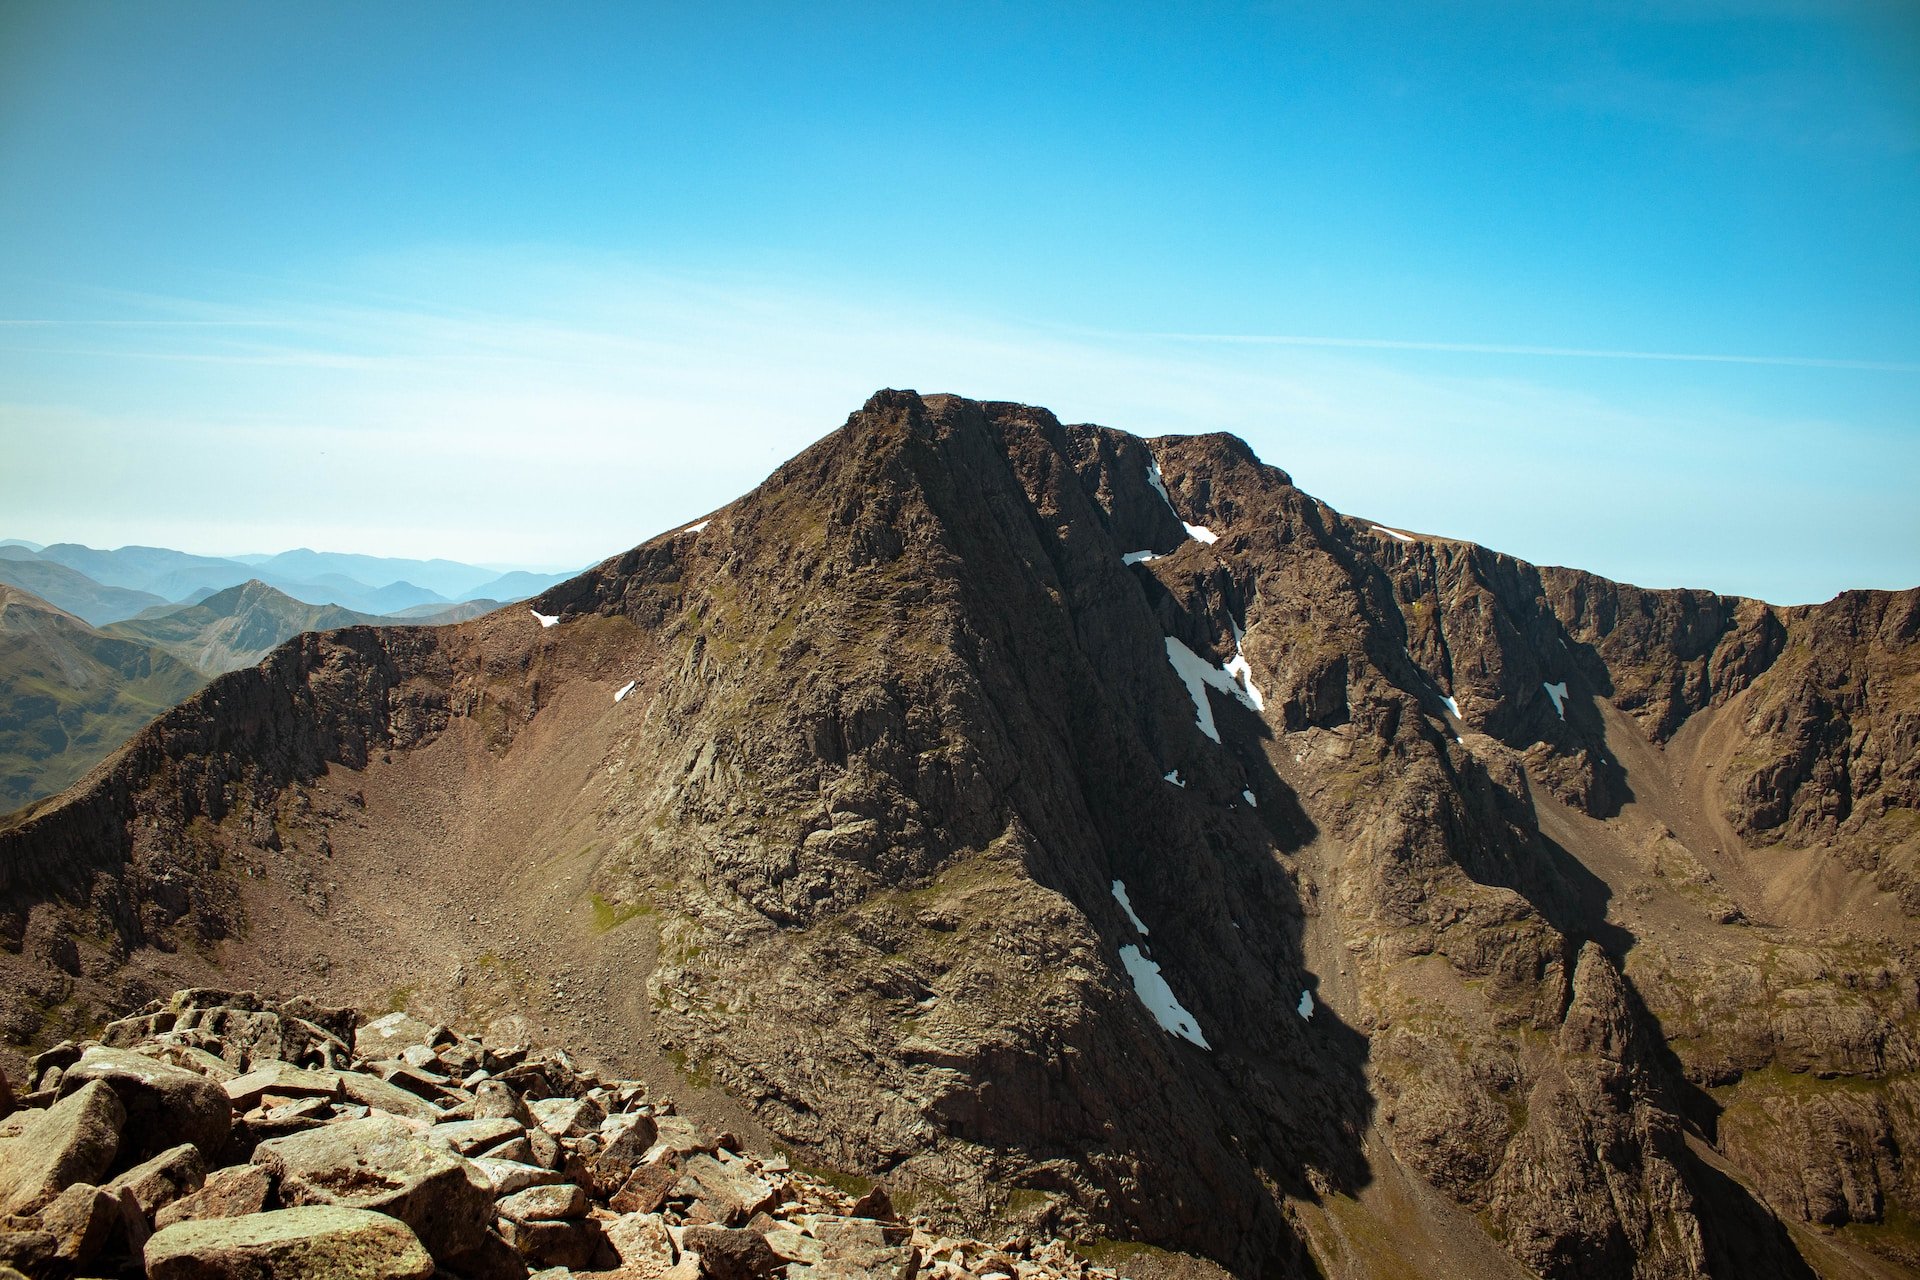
(544, 1203)
(165, 1105)
(642, 1243)
(33, 1252)
(227, 1193)
(469, 1137)
(387, 1037)
(622, 1147)
(314, 1242)
(509, 1176)
(44, 1152)
(493, 1100)
(568, 1117)
(380, 1164)
(645, 1189)
(282, 1080)
(81, 1221)
(727, 1254)
(175, 1172)
(577, 1245)
(372, 1091)
(726, 1193)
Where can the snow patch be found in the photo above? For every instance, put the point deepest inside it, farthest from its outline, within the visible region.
(1197, 673)
(1126, 905)
(1198, 532)
(625, 689)
(1558, 692)
(1452, 707)
(1248, 797)
(1159, 998)
(694, 528)
(1305, 1007)
(1173, 777)
(546, 619)
(1237, 668)
(1139, 557)
(1391, 533)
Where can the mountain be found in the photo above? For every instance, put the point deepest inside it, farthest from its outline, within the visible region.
(157, 570)
(21, 543)
(1102, 837)
(517, 585)
(437, 615)
(70, 695)
(365, 584)
(73, 591)
(447, 579)
(234, 628)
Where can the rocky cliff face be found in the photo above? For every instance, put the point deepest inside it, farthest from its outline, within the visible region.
(1101, 833)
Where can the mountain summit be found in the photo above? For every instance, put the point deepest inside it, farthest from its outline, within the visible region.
(1104, 834)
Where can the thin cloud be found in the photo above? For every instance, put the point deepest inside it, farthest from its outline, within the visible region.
(1515, 349)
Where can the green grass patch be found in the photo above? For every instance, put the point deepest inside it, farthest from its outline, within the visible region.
(608, 916)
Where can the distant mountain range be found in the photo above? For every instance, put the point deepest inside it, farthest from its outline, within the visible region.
(92, 647)
(102, 587)
(70, 695)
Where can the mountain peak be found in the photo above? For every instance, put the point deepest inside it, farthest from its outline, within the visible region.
(994, 803)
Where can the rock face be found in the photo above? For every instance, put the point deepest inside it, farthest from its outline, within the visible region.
(1090, 832)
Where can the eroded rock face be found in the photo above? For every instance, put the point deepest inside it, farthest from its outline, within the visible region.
(1164, 894)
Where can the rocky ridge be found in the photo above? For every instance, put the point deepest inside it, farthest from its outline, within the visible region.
(1103, 834)
(217, 1134)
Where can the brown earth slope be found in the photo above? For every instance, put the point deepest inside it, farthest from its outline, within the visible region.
(1596, 901)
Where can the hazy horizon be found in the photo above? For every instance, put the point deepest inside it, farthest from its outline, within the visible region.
(1624, 290)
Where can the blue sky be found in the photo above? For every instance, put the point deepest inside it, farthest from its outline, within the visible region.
(529, 286)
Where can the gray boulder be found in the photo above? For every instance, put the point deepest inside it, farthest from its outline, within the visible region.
(165, 1105)
(379, 1164)
(44, 1152)
(315, 1242)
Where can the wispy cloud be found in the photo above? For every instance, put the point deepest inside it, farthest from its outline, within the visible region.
(1517, 349)
(521, 407)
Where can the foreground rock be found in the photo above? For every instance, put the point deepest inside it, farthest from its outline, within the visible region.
(313, 1243)
(484, 1162)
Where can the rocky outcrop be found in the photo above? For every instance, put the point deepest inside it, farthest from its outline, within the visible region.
(321, 1188)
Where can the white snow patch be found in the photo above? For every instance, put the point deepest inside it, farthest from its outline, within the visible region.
(1558, 692)
(695, 528)
(1391, 533)
(546, 619)
(1126, 905)
(1198, 532)
(1237, 668)
(1159, 998)
(1248, 797)
(1197, 673)
(1139, 557)
(1159, 485)
(1305, 1007)
(1173, 777)
(625, 689)
(1452, 706)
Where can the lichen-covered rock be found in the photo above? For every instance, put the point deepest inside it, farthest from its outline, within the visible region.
(380, 1164)
(165, 1105)
(316, 1242)
(44, 1152)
